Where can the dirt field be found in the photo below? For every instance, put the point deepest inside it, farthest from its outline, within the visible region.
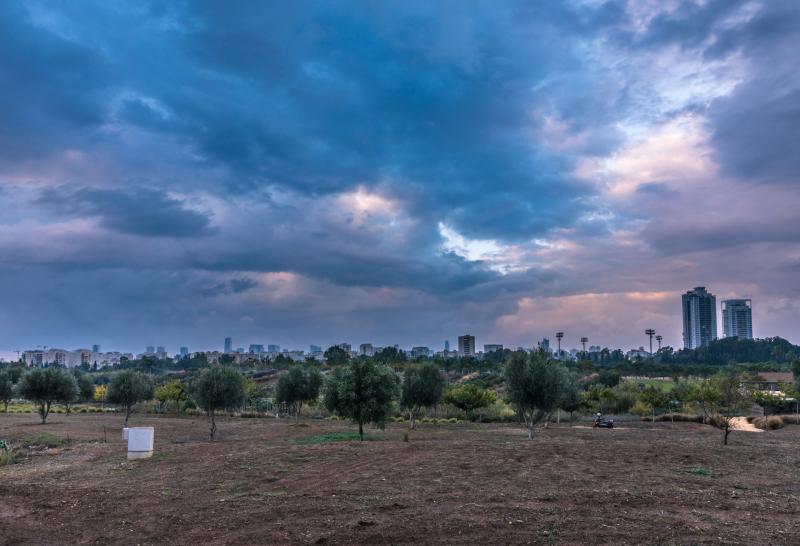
(264, 483)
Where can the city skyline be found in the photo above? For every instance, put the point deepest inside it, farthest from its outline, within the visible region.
(312, 172)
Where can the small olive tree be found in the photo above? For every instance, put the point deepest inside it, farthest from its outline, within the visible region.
(723, 398)
(470, 397)
(127, 389)
(423, 387)
(298, 386)
(45, 386)
(535, 385)
(6, 389)
(218, 388)
(362, 391)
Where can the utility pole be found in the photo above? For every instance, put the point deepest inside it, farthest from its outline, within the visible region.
(650, 333)
(559, 335)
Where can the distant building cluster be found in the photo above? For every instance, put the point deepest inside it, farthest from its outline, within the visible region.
(700, 318)
(73, 359)
(699, 311)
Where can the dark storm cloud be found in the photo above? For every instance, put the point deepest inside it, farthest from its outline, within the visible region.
(219, 146)
(51, 88)
(755, 129)
(138, 211)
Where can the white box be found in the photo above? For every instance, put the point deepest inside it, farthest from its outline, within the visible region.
(125, 433)
(140, 440)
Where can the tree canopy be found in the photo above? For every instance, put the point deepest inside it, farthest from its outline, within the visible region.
(127, 389)
(218, 388)
(422, 388)
(298, 386)
(536, 386)
(44, 386)
(470, 397)
(363, 391)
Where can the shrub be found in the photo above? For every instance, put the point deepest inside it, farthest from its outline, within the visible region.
(685, 417)
(772, 422)
(7, 456)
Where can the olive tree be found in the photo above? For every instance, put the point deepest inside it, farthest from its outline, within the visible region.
(723, 398)
(422, 388)
(127, 389)
(535, 386)
(298, 386)
(6, 389)
(45, 386)
(470, 397)
(362, 391)
(218, 388)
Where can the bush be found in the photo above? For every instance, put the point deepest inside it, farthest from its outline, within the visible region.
(685, 417)
(7, 456)
(773, 422)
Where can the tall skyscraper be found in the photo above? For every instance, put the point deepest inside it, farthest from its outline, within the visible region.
(699, 318)
(466, 345)
(95, 348)
(228, 345)
(184, 352)
(737, 318)
(447, 345)
(149, 350)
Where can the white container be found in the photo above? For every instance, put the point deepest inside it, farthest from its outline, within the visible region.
(140, 442)
(125, 433)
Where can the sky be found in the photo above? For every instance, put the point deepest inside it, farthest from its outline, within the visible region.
(394, 172)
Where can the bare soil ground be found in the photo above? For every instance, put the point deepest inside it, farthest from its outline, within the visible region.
(641, 483)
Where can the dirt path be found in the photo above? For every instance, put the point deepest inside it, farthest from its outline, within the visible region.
(740, 423)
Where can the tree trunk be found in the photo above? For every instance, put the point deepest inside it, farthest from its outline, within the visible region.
(127, 415)
(5, 402)
(44, 409)
(297, 413)
(361, 431)
(725, 438)
(213, 428)
(654, 415)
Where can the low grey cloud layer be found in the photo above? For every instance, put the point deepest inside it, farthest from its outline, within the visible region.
(395, 173)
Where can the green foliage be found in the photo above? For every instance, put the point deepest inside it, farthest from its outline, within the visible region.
(796, 370)
(363, 391)
(218, 388)
(536, 386)
(171, 392)
(6, 389)
(85, 386)
(722, 398)
(470, 397)
(298, 386)
(422, 387)
(44, 439)
(44, 386)
(336, 356)
(390, 356)
(127, 389)
(333, 437)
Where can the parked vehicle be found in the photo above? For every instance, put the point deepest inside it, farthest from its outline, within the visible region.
(602, 422)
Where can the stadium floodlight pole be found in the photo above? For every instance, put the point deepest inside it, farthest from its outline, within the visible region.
(659, 338)
(650, 333)
(583, 342)
(559, 335)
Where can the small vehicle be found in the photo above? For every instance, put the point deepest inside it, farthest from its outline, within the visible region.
(602, 422)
